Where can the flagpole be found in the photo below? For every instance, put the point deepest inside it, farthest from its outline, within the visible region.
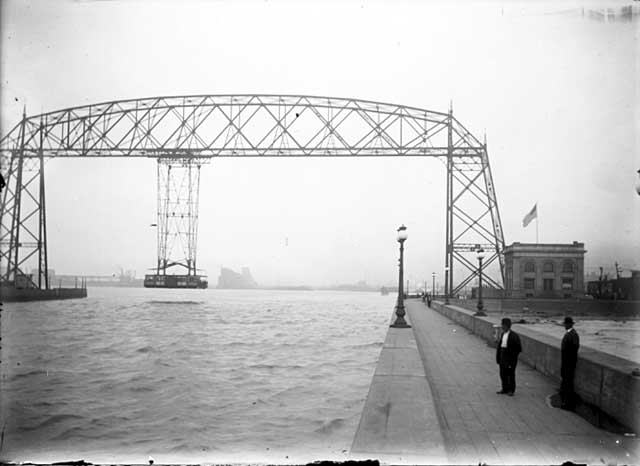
(536, 222)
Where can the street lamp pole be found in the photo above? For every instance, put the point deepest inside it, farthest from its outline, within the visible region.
(400, 322)
(433, 284)
(480, 256)
(446, 285)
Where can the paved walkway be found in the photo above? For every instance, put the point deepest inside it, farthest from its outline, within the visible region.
(480, 426)
(399, 423)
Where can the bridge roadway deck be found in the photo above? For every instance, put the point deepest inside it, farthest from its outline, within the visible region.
(472, 423)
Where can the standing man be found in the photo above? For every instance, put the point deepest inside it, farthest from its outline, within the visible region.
(509, 348)
(569, 353)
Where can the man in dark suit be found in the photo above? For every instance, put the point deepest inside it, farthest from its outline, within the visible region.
(507, 352)
(569, 355)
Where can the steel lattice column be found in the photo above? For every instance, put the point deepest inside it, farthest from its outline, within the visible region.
(473, 219)
(448, 261)
(23, 228)
(178, 202)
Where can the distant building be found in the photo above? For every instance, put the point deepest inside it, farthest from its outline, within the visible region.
(544, 270)
(625, 288)
(229, 279)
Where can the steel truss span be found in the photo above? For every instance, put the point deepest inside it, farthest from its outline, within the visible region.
(192, 128)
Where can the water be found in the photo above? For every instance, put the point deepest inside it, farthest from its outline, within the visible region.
(189, 376)
(619, 338)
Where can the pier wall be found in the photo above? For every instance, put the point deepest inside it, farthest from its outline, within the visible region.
(9, 294)
(584, 307)
(602, 380)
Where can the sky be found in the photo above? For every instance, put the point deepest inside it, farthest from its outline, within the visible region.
(555, 91)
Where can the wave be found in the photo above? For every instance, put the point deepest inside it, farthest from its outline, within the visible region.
(108, 421)
(145, 349)
(185, 447)
(77, 432)
(330, 426)
(46, 404)
(161, 362)
(142, 389)
(175, 302)
(22, 375)
(51, 421)
(275, 366)
(374, 344)
(232, 344)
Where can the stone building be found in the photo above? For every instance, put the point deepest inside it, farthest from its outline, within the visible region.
(544, 270)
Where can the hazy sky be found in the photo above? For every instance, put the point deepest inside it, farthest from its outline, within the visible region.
(555, 91)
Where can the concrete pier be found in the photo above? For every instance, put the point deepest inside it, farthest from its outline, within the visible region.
(399, 421)
(460, 419)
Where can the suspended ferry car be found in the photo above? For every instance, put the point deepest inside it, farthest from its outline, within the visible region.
(175, 281)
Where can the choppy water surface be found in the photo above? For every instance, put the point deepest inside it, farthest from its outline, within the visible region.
(197, 375)
(619, 338)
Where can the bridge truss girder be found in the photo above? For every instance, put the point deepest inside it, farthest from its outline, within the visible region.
(198, 128)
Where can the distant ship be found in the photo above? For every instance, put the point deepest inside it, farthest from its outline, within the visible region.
(384, 291)
(175, 281)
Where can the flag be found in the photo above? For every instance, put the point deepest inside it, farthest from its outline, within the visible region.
(530, 216)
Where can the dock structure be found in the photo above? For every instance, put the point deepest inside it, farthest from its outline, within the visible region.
(447, 411)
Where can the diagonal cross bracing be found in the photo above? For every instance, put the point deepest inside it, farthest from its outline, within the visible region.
(199, 127)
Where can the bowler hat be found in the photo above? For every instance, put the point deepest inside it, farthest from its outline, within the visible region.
(568, 320)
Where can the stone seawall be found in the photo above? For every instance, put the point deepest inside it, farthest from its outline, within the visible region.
(581, 307)
(602, 380)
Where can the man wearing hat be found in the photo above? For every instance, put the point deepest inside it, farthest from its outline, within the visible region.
(569, 354)
(507, 352)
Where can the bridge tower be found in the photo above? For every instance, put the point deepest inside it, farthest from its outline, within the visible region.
(472, 219)
(23, 222)
(178, 203)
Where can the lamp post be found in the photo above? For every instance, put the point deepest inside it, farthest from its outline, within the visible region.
(433, 284)
(480, 256)
(446, 288)
(400, 322)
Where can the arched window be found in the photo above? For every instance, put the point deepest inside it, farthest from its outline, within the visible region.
(548, 267)
(529, 267)
(567, 266)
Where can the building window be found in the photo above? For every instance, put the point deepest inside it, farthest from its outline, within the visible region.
(529, 267)
(567, 267)
(548, 284)
(567, 283)
(529, 283)
(548, 267)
